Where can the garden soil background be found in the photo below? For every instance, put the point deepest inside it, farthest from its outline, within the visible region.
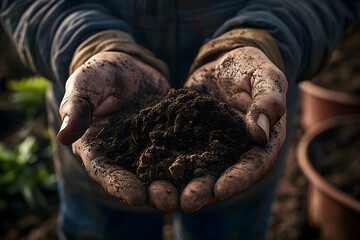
(288, 213)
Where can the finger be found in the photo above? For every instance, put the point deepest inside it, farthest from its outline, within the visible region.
(117, 181)
(198, 193)
(241, 100)
(202, 78)
(76, 111)
(163, 196)
(88, 90)
(196, 80)
(269, 102)
(253, 165)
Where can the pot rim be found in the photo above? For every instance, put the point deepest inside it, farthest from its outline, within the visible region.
(328, 94)
(308, 169)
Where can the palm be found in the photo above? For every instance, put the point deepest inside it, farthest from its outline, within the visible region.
(247, 80)
(103, 85)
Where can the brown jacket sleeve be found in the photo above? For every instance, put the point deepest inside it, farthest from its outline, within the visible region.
(114, 40)
(239, 38)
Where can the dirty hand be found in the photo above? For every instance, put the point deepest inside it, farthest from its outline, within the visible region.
(102, 85)
(249, 81)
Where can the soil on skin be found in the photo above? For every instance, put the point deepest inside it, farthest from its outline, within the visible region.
(186, 135)
(337, 152)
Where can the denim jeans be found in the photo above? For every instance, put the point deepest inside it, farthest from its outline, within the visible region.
(81, 218)
(246, 221)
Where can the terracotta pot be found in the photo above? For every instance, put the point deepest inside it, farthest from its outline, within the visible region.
(318, 103)
(335, 213)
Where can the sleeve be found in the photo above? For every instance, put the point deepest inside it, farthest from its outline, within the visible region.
(114, 40)
(305, 32)
(47, 33)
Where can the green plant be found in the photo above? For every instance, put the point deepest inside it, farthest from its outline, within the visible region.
(22, 173)
(29, 94)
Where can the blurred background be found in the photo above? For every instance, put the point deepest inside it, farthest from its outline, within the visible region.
(28, 198)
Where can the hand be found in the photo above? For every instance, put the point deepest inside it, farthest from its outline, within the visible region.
(101, 86)
(246, 79)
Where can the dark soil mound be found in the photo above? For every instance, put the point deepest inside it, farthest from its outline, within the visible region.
(183, 136)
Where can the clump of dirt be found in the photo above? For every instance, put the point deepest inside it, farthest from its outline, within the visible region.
(187, 134)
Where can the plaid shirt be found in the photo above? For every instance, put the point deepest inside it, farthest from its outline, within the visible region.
(46, 33)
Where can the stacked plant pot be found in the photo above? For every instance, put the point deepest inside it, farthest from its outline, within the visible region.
(328, 155)
(319, 103)
(330, 106)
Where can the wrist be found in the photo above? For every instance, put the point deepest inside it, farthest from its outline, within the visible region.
(235, 39)
(115, 41)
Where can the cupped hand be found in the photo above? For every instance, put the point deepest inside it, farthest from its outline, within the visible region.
(246, 79)
(103, 85)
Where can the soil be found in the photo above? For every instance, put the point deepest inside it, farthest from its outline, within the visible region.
(187, 134)
(337, 152)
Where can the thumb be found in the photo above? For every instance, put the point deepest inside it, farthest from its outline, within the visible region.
(262, 115)
(268, 105)
(76, 112)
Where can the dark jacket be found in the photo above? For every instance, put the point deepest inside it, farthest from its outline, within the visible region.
(48, 33)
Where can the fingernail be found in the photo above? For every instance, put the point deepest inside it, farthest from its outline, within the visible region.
(263, 122)
(64, 123)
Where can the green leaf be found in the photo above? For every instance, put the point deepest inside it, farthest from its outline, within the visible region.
(47, 133)
(20, 173)
(29, 94)
(6, 154)
(8, 177)
(26, 150)
(40, 200)
(27, 84)
(49, 182)
(42, 173)
(28, 196)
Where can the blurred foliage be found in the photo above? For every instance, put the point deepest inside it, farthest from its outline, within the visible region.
(29, 95)
(22, 173)
(22, 168)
